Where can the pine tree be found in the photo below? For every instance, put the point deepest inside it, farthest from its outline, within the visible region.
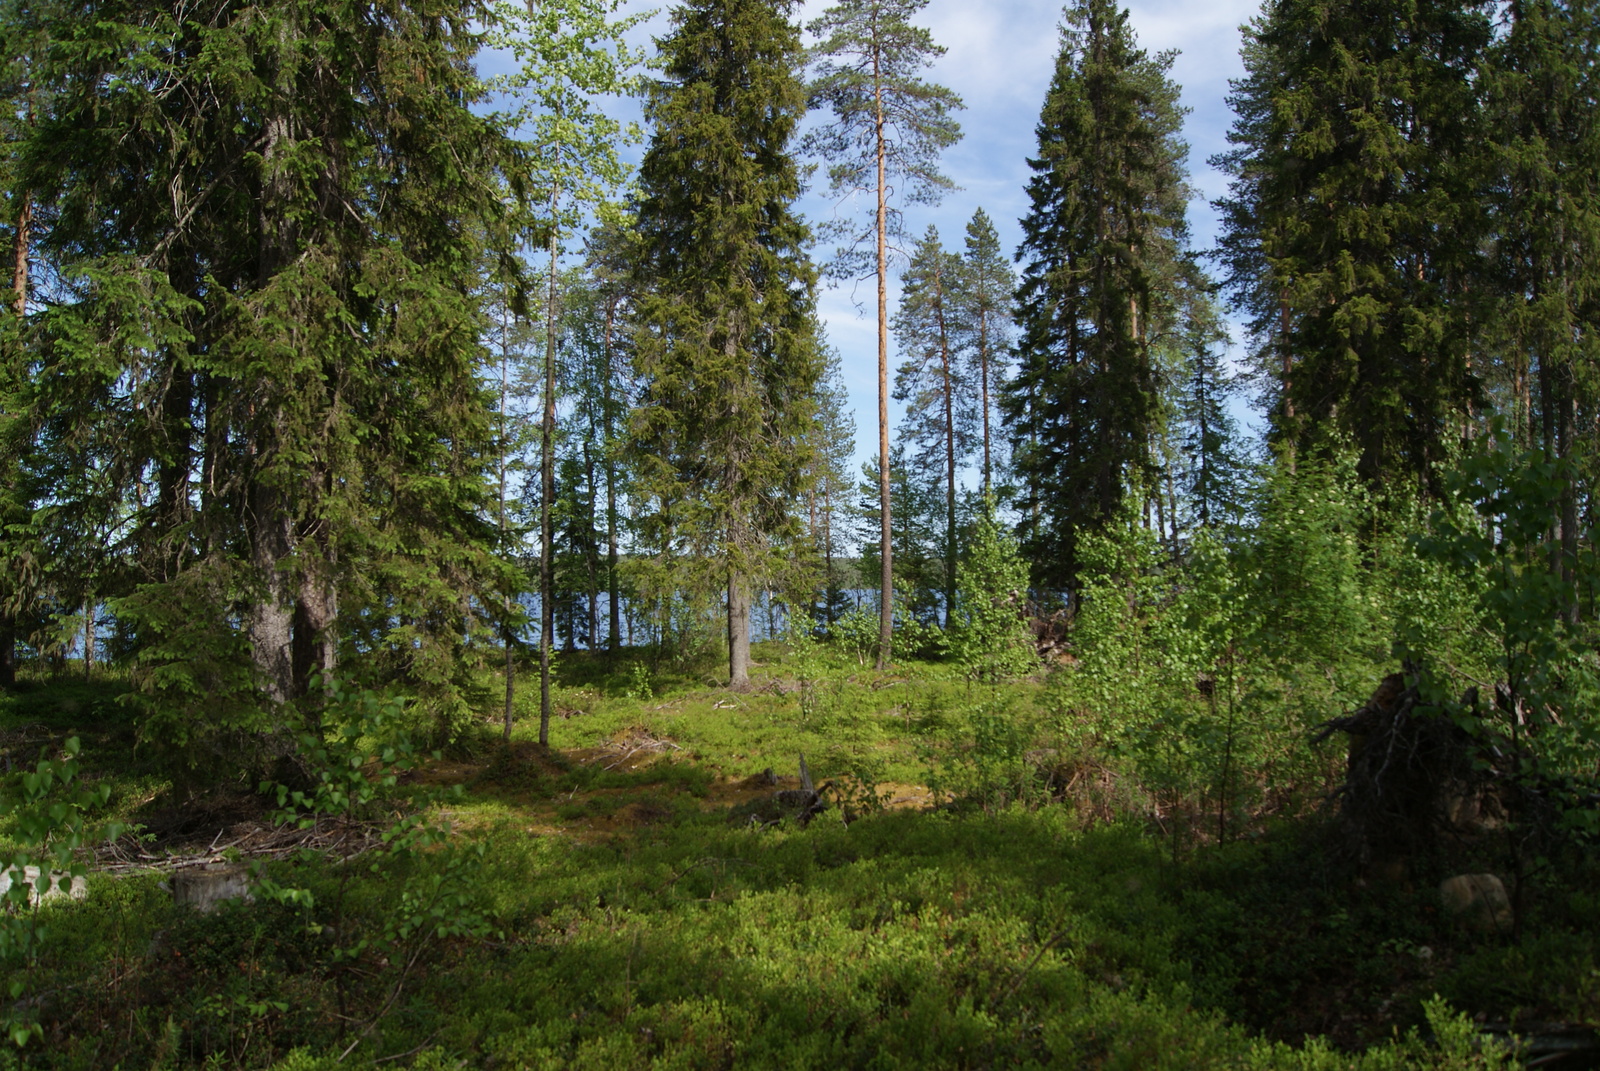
(727, 350)
(1354, 222)
(984, 324)
(1101, 239)
(940, 416)
(918, 534)
(888, 130)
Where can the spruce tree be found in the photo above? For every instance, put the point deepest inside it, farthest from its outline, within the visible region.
(940, 415)
(988, 634)
(1103, 232)
(888, 130)
(726, 351)
(268, 227)
(1354, 222)
(1545, 204)
(1211, 470)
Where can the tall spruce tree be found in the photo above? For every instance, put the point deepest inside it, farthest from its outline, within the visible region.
(1354, 222)
(267, 227)
(940, 416)
(1104, 229)
(1546, 222)
(1210, 473)
(888, 130)
(726, 351)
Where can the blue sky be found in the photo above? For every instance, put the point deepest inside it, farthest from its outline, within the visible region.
(999, 58)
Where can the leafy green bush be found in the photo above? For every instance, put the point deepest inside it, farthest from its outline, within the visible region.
(47, 822)
(1492, 538)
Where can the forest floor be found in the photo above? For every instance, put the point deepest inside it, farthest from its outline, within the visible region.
(645, 894)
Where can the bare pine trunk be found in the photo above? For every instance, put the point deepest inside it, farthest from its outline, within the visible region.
(547, 490)
(19, 270)
(983, 381)
(506, 636)
(886, 590)
(591, 553)
(949, 455)
(827, 549)
(1287, 374)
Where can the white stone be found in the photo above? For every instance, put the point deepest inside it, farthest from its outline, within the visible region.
(59, 884)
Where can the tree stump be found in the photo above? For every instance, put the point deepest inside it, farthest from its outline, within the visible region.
(205, 887)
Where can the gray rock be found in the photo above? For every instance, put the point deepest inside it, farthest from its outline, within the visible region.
(1478, 902)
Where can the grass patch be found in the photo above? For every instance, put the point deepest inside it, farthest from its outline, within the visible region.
(598, 905)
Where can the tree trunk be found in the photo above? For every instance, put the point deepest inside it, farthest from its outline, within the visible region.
(547, 490)
(738, 631)
(827, 549)
(613, 604)
(886, 579)
(315, 650)
(949, 453)
(271, 620)
(505, 632)
(1286, 374)
(20, 248)
(19, 286)
(591, 552)
(1172, 507)
(983, 382)
(8, 650)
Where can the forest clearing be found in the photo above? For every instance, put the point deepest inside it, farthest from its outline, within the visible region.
(448, 617)
(987, 886)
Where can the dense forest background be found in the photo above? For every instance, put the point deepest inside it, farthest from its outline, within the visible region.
(338, 378)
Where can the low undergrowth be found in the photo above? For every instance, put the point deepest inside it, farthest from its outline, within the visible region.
(1008, 892)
